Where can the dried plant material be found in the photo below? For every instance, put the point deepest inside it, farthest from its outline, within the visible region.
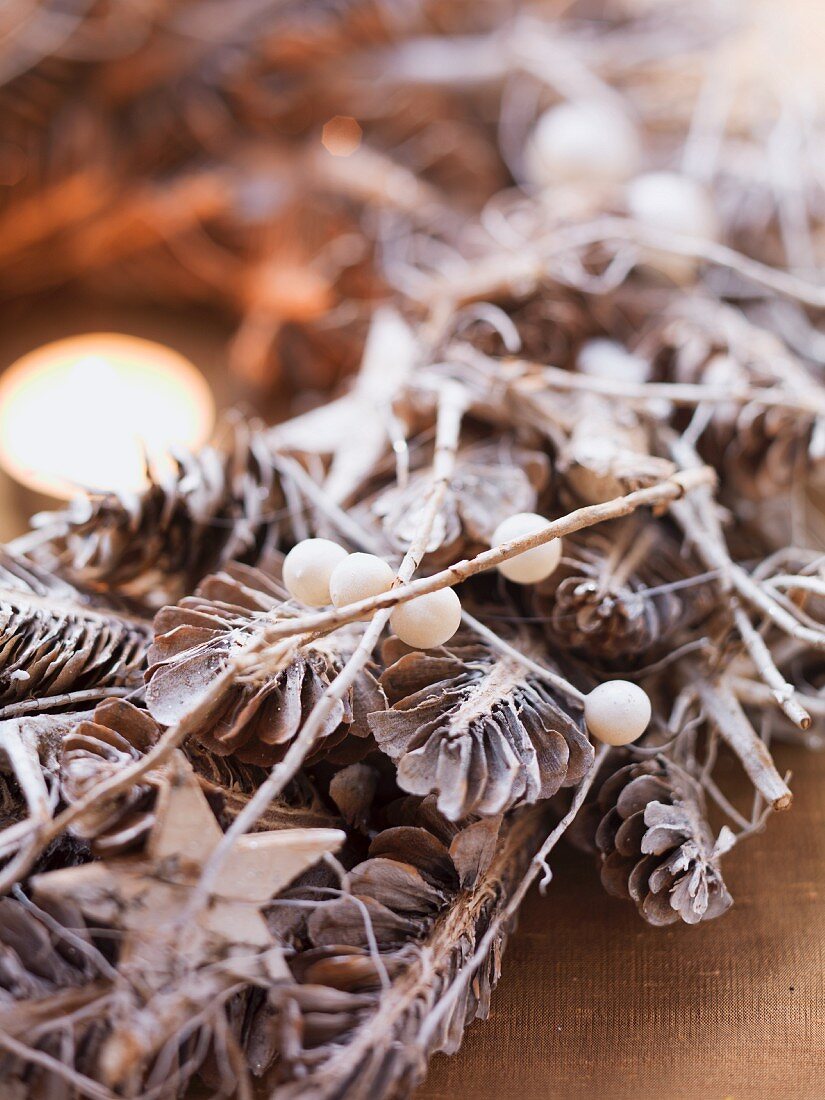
(656, 844)
(623, 595)
(346, 1033)
(523, 347)
(156, 545)
(29, 771)
(95, 749)
(409, 877)
(476, 728)
(56, 642)
(257, 716)
(50, 970)
(353, 790)
(608, 453)
(165, 977)
(770, 454)
(489, 483)
(355, 430)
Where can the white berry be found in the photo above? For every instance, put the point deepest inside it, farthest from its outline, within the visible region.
(617, 712)
(674, 204)
(533, 565)
(584, 143)
(307, 570)
(358, 577)
(602, 358)
(427, 621)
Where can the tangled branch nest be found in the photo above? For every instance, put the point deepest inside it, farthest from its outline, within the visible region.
(264, 848)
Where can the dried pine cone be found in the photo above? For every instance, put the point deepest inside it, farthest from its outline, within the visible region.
(255, 718)
(595, 606)
(657, 847)
(120, 733)
(46, 978)
(476, 727)
(155, 545)
(55, 640)
(95, 750)
(762, 452)
(415, 869)
(491, 481)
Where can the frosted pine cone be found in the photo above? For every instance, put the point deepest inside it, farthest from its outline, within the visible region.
(157, 544)
(657, 847)
(255, 717)
(490, 482)
(55, 639)
(95, 750)
(596, 606)
(472, 726)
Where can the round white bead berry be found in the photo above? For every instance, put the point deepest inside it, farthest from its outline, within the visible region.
(584, 143)
(308, 567)
(617, 712)
(674, 204)
(427, 621)
(603, 358)
(358, 577)
(533, 565)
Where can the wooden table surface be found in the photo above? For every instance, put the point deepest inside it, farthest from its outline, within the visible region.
(594, 1003)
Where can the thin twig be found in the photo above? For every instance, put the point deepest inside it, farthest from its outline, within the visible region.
(451, 408)
(552, 678)
(658, 495)
(725, 711)
(783, 692)
(538, 864)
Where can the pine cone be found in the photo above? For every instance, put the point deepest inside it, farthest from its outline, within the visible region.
(34, 962)
(95, 750)
(592, 607)
(762, 453)
(475, 727)
(490, 482)
(414, 870)
(46, 979)
(158, 544)
(657, 848)
(256, 717)
(56, 640)
(119, 734)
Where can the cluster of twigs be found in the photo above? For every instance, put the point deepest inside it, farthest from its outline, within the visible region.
(275, 848)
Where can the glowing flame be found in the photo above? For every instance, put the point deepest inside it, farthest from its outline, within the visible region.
(86, 412)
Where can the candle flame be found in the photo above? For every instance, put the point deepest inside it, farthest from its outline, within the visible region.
(87, 412)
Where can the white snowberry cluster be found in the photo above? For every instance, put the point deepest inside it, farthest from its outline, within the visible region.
(594, 146)
(319, 572)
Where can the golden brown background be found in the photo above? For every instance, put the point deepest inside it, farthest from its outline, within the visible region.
(594, 1003)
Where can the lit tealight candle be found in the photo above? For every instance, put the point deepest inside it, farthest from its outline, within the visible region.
(86, 412)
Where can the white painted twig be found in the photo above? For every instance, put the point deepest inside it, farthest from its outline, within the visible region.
(726, 713)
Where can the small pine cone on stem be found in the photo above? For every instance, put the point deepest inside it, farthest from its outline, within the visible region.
(611, 600)
(656, 845)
